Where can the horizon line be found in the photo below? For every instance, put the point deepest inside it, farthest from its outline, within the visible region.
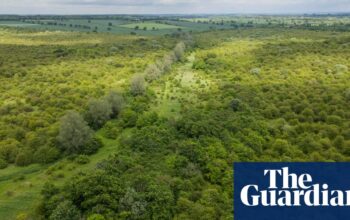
(181, 14)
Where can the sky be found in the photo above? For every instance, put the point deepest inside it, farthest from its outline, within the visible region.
(172, 6)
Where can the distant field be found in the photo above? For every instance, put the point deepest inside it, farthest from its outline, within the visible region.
(271, 20)
(101, 26)
(114, 26)
(15, 24)
(150, 26)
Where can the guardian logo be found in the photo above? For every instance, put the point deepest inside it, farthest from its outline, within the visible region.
(298, 191)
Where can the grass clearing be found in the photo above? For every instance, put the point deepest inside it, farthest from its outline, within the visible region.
(20, 186)
(180, 87)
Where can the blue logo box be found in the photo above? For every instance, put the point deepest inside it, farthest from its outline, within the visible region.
(291, 191)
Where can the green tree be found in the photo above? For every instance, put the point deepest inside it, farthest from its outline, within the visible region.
(74, 133)
(132, 204)
(160, 201)
(96, 192)
(116, 101)
(179, 50)
(92, 146)
(99, 112)
(65, 211)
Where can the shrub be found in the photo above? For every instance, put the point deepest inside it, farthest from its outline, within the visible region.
(167, 61)
(46, 155)
(82, 159)
(9, 149)
(138, 85)
(111, 130)
(129, 118)
(235, 104)
(340, 68)
(152, 72)
(3, 163)
(49, 190)
(255, 71)
(96, 217)
(334, 119)
(92, 146)
(24, 157)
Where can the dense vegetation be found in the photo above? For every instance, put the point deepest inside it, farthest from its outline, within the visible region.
(42, 80)
(164, 118)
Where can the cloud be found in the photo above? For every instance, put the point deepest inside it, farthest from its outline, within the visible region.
(171, 6)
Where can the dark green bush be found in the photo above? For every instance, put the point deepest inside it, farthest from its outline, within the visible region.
(92, 146)
(82, 159)
(3, 163)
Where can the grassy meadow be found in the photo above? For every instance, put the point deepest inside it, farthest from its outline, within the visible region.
(184, 108)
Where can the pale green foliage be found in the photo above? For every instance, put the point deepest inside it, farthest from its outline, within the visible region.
(152, 72)
(132, 203)
(167, 61)
(179, 50)
(96, 217)
(255, 71)
(340, 68)
(138, 85)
